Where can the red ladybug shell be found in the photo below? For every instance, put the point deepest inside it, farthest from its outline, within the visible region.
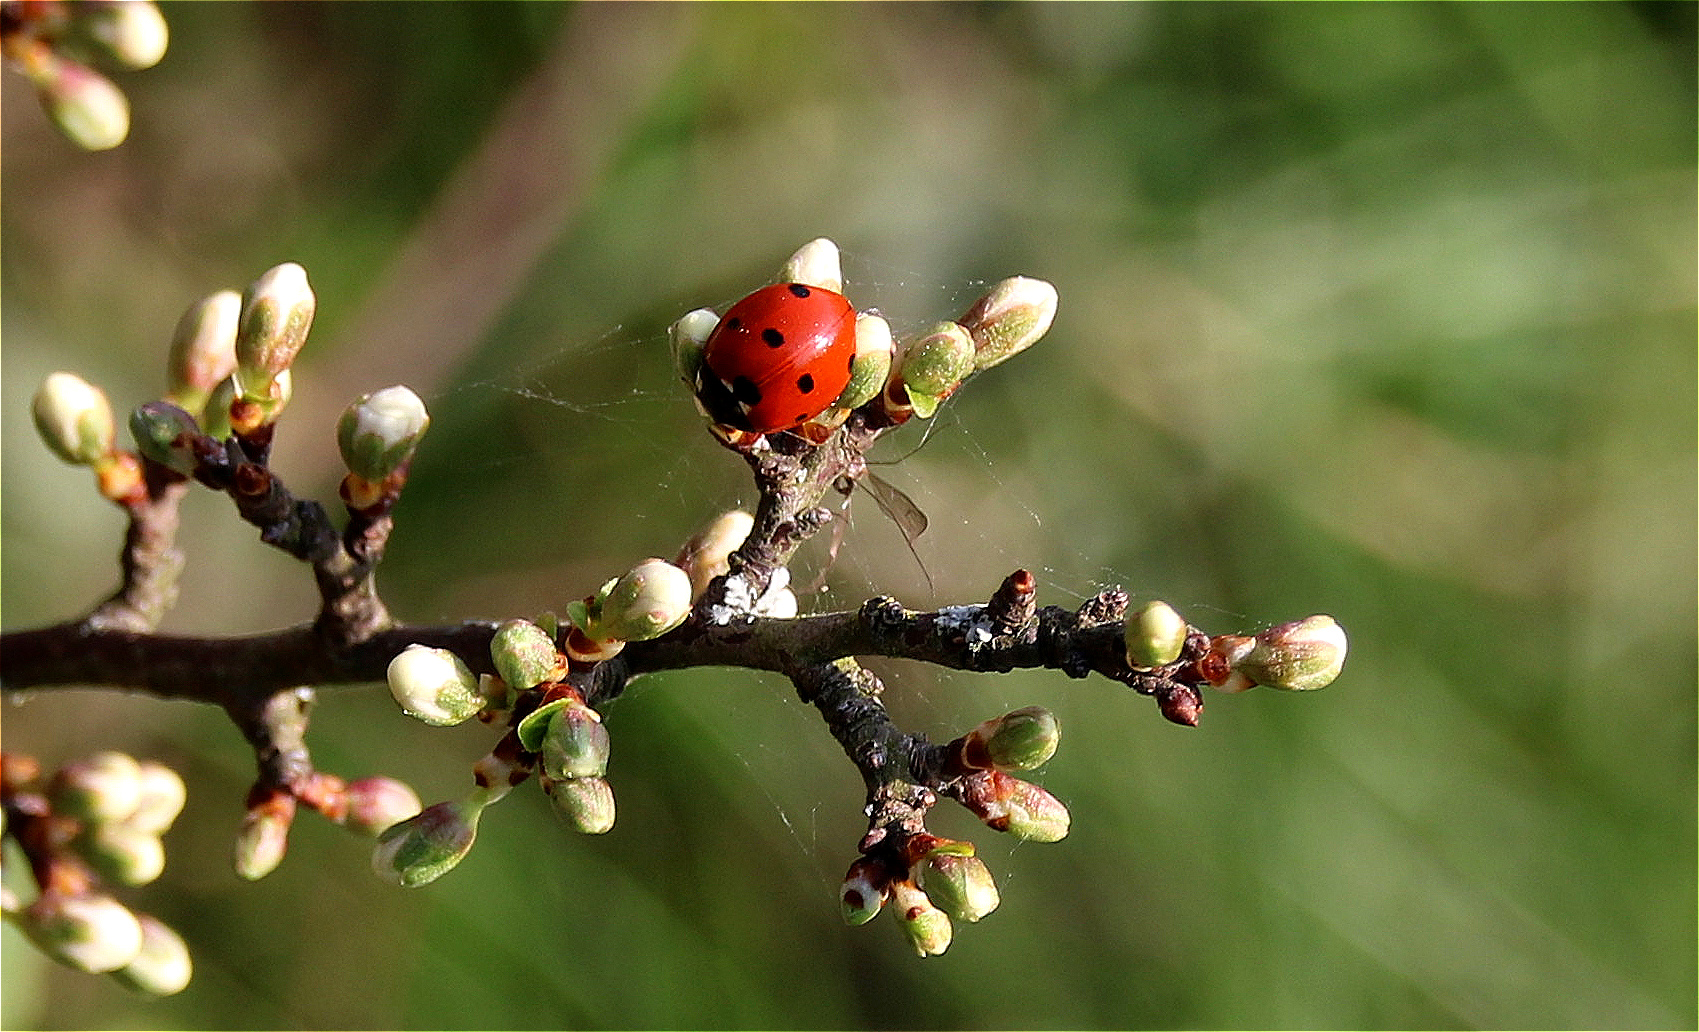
(778, 358)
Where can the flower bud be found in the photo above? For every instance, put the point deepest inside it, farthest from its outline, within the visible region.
(162, 967)
(98, 789)
(159, 798)
(427, 846)
(203, 350)
(961, 885)
(277, 312)
(378, 433)
(865, 887)
(524, 654)
(87, 107)
(92, 933)
(705, 555)
(872, 365)
(74, 419)
(650, 600)
(815, 263)
(1017, 807)
(1155, 635)
(585, 804)
(165, 434)
(215, 418)
(132, 32)
(576, 743)
(934, 365)
(1299, 656)
(927, 927)
(377, 804)
(1009, 319)
(690, 338)
(263, 838)
(123, 854)
(1020, 740)
(434, 686)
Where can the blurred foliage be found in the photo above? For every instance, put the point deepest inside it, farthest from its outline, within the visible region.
(1385, 311)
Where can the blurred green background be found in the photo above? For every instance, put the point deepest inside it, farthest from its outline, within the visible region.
(1384, 311)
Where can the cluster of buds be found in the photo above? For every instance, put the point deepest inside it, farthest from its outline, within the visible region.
(903, 379)
(1298, 656)
(98, 821)
(54, 42)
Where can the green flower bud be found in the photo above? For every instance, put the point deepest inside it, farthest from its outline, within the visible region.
(1020, 740)
(934, 365)
(1155, 635)
(165, 434)
(434, 686)
(1009, 319)
(961, 885)
(872, 366)
(263, 839)
(585, 804)
(203, 350)
(377, 804)
(91, 933)
(576, 744)
(690, 338)
(927, 927)
(85, 105)
(815, 263)
(863, 893)
(1299, 656)
(162, 967)
(524, 654)
(1035, 815)
(123, 854)
(650, 600)
(160, 798)
(705, 556)
(74, 419)
(99, 789)
(277, 312)
(425, 847)
(379, 433)
(132, 32)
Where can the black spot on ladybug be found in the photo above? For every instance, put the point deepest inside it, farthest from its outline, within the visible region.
(805, 383)
(734, 323)
(773, 338)
(745, 390)
(798, 289)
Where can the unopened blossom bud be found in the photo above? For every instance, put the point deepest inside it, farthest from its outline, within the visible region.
(961, 885)
(650, 600)
(576, 743)
(98, 789)
(123, 854)
(1299, 656)
(160, 798)
(379, 433)
(1009, 319)
(162, 967)
(277, 312)
(872, 365)
(1155, 635)
(690, 338)
(817, 264)
(865, 887)
(1017, 807)
(92, 933)
(1019, 740)
(165, 434)
(434, 686)
(934, 365)
(215, 418)
(585, 804)
(87, 107)
(131, 32)
(74, 419)
(377, 804)
(425, 847)
(524, 654)
(263, 838)
(203, 350)
(705, 555)
(927, 927)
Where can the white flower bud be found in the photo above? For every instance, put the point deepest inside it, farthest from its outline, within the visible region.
(434, 686)
(74, 419)
(378, 433)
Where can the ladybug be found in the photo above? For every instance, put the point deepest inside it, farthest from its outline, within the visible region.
(778, 358)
